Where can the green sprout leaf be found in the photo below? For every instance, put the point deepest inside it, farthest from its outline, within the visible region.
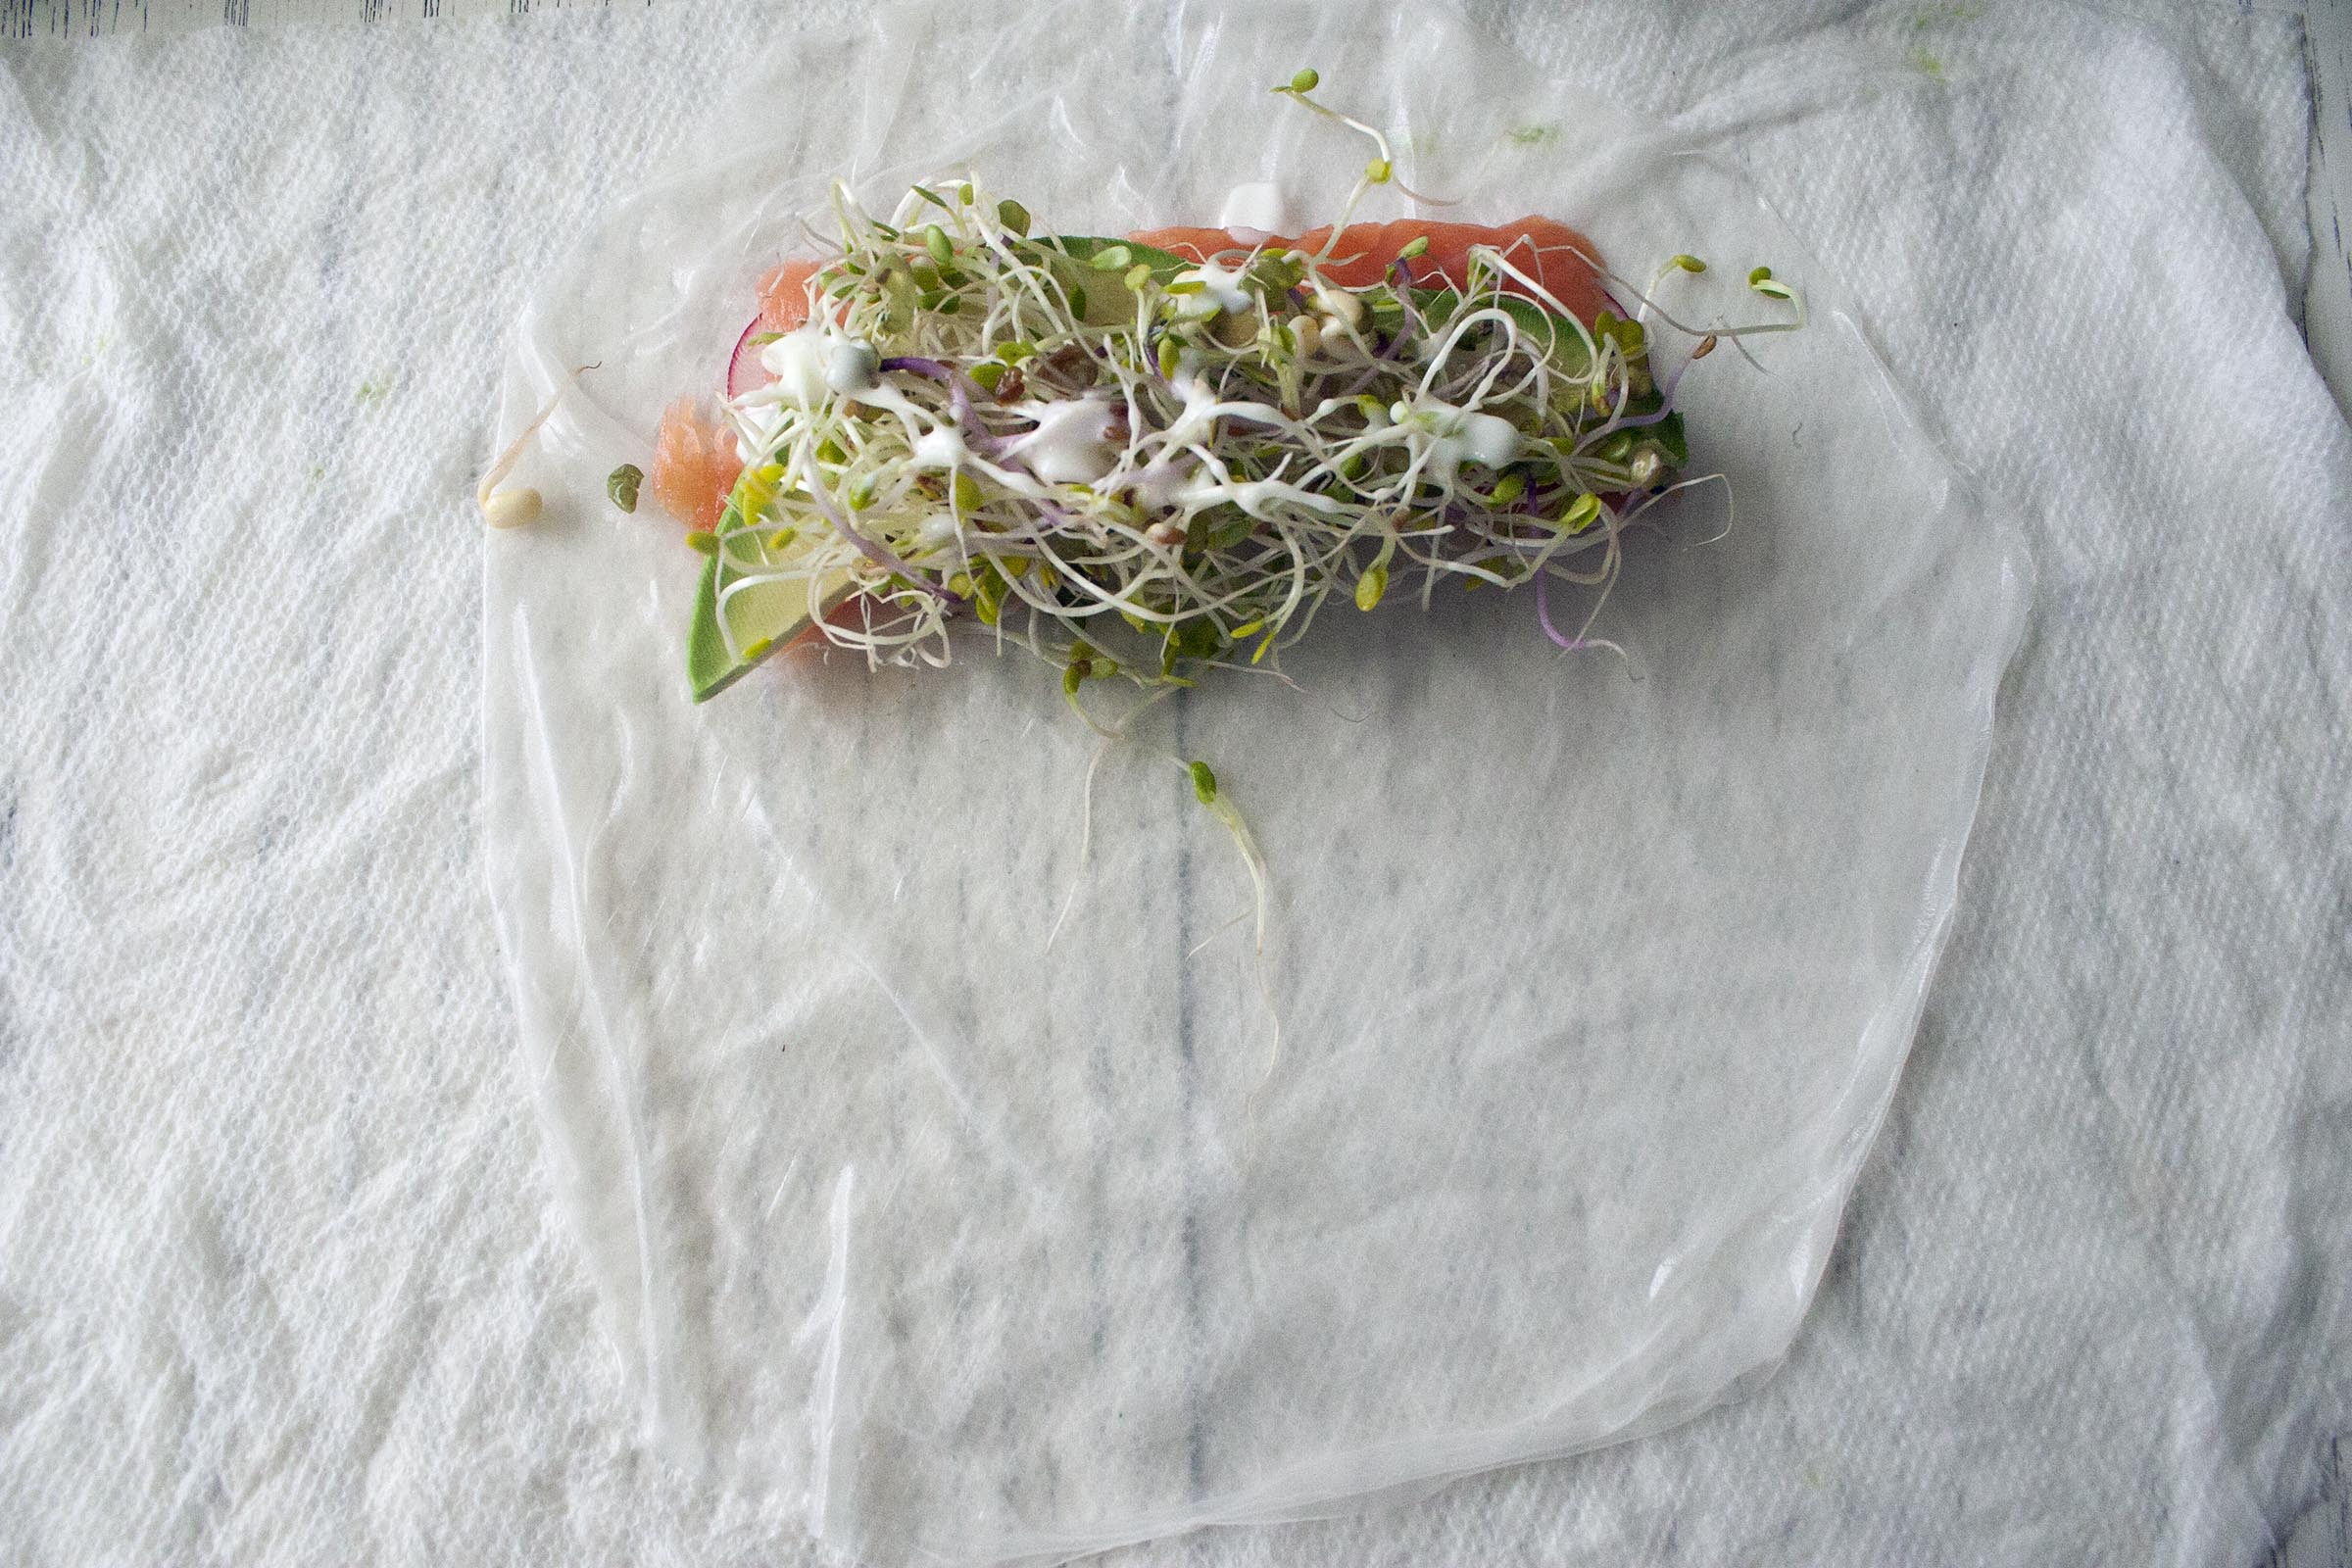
(1581, 514)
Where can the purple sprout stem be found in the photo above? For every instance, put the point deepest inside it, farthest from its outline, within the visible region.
(1543, 614)
(872, 550)
(1413, 325)
(1674, 379)
(1631, 421)
(960, 400)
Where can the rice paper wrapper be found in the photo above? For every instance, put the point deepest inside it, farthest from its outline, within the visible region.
(1593, 978)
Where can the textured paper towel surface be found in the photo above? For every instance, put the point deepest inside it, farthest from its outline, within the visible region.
(279, 1275)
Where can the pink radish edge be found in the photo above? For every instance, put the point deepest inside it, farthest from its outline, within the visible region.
(744, 369)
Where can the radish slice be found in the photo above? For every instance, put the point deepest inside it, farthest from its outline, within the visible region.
(744, 369)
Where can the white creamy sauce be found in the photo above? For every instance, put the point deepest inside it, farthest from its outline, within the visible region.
(1457, 436)
(940, 447)
(1221, 290)
(1071, 444)
(1202, 408)
(1166, 481)
(811, 363)
(850, 366)
(798, 362)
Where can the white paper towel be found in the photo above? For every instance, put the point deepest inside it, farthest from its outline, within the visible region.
(277, 1276)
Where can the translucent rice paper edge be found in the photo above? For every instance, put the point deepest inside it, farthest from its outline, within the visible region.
(662, 282)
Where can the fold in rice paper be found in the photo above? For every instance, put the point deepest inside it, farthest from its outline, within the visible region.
(954, 1157)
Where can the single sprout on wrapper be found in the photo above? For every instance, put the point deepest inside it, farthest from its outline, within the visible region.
(1380, 170)
(519, 507)
(1140, 466)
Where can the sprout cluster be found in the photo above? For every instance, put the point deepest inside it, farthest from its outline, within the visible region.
(1141, 465)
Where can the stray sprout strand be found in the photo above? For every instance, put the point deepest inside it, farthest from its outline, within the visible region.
(1382, 171)
(519, 507)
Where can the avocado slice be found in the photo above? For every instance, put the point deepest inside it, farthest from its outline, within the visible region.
(1108, 300)
(761, 617)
